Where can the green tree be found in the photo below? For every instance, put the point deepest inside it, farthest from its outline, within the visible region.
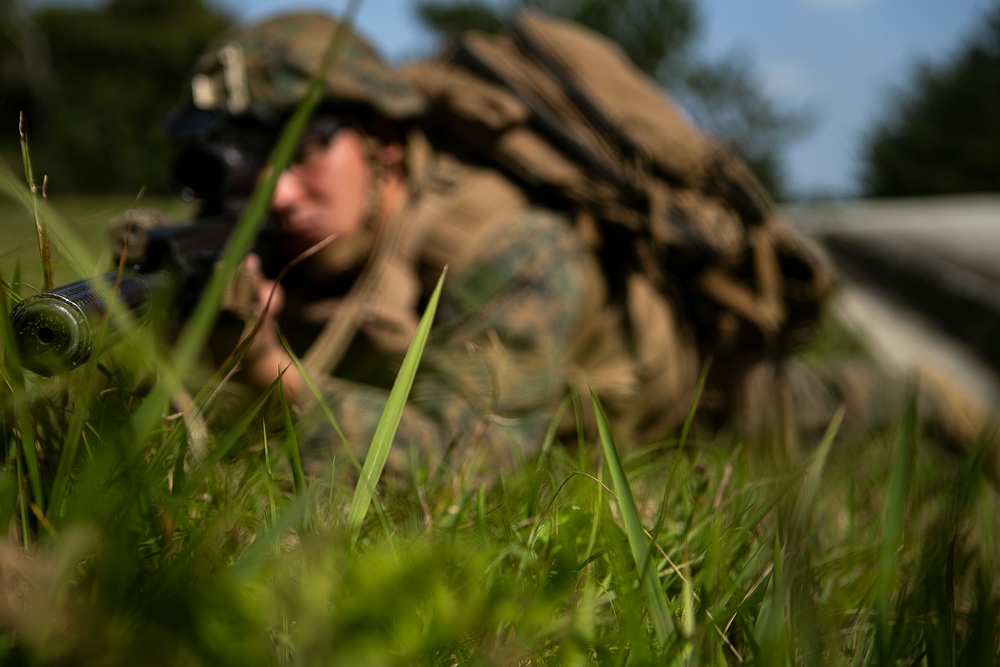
(941, 134)
(95, 116)
(25, 69)
(659, 36)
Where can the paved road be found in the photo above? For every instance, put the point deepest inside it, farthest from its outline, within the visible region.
(922, 279)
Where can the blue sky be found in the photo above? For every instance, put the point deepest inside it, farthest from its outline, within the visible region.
(839, 60)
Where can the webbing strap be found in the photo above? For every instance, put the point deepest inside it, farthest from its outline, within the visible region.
(332, 342)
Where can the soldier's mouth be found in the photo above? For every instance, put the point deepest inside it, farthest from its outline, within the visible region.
(300, 228)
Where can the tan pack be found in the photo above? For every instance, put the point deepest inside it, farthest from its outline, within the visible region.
(564, 114)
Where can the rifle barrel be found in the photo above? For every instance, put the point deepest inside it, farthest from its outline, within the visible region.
(56, 330)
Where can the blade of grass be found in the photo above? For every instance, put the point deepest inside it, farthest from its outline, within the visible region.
(272, 490)
(265, 546)
(292, 443)
(12, 289)
(695, 400)
(951, 628)
(771, 631)
(321, 402)
(198, 327)
(82, 402)
(70, 246)
(67, 456)
(228, 440)
(894, 518)
(550, 436)
(385, 431)
(675, 470)
(22, 416)
(242, 239)
(44, 249)
(814, 473)
(656, 598)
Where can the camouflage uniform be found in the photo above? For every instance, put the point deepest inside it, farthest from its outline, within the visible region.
(524, 318)
(495, 367)
(519, 285)
(524, 315)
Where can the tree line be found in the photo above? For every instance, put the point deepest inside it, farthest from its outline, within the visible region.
(941, 132)
(94, 84)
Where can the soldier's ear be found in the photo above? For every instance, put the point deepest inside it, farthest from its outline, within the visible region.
(384, 129)
(391, 155)
(390, 137)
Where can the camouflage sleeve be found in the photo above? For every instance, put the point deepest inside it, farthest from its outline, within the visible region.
(495, 367)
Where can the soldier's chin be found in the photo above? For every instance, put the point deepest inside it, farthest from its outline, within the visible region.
(297, 251)
(333, 259)
(292, 246)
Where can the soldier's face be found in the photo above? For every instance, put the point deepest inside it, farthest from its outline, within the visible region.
(324, 194)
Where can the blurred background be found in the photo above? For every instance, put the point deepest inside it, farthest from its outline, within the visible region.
(876, 123)
(824, 98)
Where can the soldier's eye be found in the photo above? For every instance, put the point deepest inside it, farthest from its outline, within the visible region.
(309, 150)
(316, 138)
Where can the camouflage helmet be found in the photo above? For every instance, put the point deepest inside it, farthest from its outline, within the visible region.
(264, 68)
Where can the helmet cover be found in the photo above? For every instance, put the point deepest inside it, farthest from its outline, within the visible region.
(265, 68)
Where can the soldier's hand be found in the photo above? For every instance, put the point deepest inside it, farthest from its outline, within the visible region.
(266, 300)
(270, 294)
(265, 358)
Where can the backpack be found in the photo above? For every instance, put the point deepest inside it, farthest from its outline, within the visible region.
(562, 112)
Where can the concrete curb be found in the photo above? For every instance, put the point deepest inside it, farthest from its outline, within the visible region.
(960, 302)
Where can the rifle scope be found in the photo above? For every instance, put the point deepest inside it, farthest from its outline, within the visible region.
(213, 171)
(217, 157)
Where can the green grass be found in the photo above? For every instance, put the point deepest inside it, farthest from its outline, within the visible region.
(88, 218)
(142, 541)
(815, 564)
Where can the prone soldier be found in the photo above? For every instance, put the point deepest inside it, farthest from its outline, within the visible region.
(553, 285)
(543, 295)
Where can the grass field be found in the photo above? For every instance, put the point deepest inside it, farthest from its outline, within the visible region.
(133, 538)
(86, 217)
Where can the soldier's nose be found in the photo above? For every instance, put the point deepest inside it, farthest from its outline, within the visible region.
(287, 191)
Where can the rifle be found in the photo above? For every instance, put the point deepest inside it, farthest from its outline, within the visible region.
(161, 268)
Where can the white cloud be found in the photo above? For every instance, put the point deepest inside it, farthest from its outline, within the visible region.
(789, 80)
